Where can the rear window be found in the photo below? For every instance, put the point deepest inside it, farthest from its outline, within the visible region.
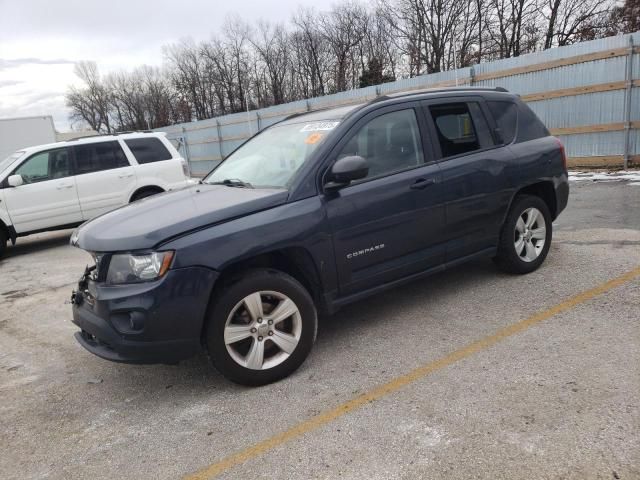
(529, 126)
(506, 117)
(94, 157)
(148, 150)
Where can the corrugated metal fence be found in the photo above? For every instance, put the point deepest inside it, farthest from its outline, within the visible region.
(587, 94)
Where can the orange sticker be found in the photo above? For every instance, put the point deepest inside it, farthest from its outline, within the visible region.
(313, 138)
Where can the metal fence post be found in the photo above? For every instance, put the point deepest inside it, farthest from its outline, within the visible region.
(258, 119)
(472, 75)
(627, 106)
(219, 134)
(185, 139)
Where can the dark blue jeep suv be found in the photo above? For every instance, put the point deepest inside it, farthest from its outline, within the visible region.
(316, 211)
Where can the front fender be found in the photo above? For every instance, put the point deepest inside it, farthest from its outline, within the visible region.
(291, 226)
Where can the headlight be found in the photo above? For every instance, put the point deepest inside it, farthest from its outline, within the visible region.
(132, 268)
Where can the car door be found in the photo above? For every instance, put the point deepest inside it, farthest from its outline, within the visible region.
(104, 176)
(474, 179)
(377, 222)
(48, 197)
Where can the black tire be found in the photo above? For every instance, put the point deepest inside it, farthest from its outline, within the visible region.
(144, 194)
(507, 258)
(230, 297)
(4, 238)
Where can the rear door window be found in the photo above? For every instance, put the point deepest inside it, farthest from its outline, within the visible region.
(148, 150)
(506, 116)
(95, 157)
(459, 131)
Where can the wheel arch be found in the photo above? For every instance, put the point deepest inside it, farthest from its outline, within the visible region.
(543, 189)
(296, 262)
(145, 188)
(9, 230)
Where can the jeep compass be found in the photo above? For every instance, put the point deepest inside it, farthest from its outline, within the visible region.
(314, 212)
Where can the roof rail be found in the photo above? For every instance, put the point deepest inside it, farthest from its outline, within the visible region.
(397, 95)
(132, 131)
(438, 89)
(124, 132)
(85, 136)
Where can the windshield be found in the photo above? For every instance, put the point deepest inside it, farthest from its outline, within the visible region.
(10, 159)
(272, 158)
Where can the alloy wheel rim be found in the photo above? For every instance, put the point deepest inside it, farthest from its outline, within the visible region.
(530, 234)
(263, 330)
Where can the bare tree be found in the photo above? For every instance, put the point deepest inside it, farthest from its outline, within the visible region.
(566, 18)
(319, 52)
(312, 50)
(271, 45)
(343, 31)
(91, 103)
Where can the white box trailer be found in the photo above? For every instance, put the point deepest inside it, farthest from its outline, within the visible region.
(17, 133)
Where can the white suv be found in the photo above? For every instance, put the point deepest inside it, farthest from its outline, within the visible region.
(60, 185)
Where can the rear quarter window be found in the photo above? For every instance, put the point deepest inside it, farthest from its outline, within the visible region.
(506, 116)
(148, 150)
(529, 125)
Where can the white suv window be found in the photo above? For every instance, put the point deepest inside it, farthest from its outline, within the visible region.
(94, 157)
(148, 150)
(47, 165)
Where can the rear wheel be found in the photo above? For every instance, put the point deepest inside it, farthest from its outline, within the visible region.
(4, 238)
(261, 328)
(145, 193)
(526, 236)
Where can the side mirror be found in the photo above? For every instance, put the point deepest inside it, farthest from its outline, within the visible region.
(346, 170)
(15, 180)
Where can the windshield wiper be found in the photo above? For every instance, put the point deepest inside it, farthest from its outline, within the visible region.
(233, 182)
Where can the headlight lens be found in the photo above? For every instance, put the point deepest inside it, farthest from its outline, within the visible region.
(132, 268)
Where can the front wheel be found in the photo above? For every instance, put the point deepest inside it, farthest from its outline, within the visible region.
(261, 328)
(526, 235)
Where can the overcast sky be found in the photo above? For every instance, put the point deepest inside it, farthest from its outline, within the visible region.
(40, 40)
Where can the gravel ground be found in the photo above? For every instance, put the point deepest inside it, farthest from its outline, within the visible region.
(559, 400)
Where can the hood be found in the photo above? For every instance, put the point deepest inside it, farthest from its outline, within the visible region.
(148, 222)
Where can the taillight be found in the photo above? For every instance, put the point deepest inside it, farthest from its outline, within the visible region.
(562, 152)
(185, 168)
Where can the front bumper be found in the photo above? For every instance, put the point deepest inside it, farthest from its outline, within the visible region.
(153, 322)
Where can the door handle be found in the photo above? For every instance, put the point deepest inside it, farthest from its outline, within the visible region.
(125, 175)
(65, 185)
(422, 183)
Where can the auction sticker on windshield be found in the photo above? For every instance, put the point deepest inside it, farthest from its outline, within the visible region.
(319, 126)
(313, 138)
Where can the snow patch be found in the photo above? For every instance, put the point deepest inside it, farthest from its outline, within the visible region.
(623, 175)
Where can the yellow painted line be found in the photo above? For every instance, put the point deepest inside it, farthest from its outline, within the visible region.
(397, 383)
